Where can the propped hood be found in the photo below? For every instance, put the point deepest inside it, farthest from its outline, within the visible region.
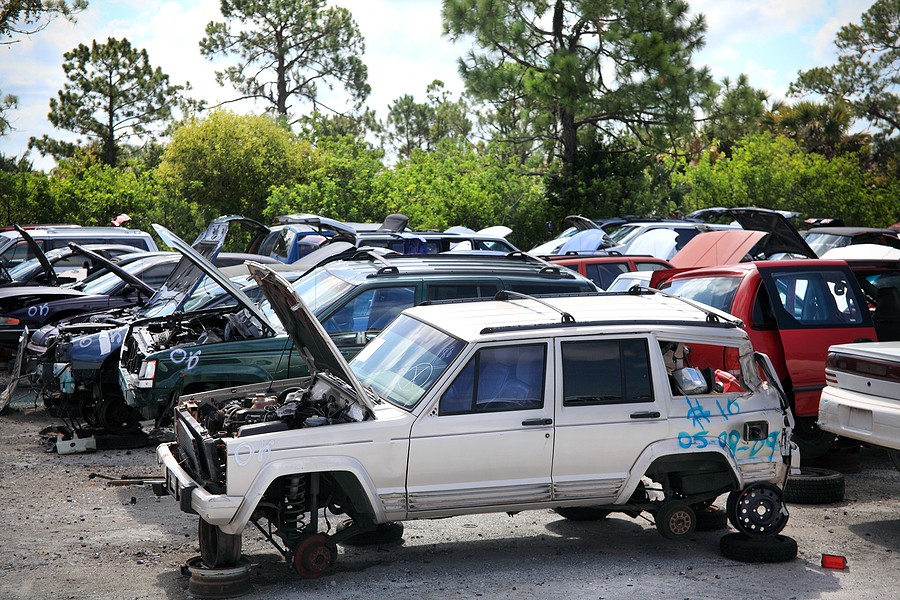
(39, 254)
(783, 237)
(341, 230)
(581, 223)
(311, 341)
(122, 273)
(725, 247)
(586, 240)
(186, 276)
(197, 260)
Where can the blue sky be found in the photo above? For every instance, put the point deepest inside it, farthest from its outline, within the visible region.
(769, 40)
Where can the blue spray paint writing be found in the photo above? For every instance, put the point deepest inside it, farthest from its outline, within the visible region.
(730, 440)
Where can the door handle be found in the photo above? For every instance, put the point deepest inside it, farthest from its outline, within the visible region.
(645, 415)
(537, 422)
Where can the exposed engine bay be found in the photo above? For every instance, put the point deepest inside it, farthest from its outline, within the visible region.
(324, 401)
(199, 328)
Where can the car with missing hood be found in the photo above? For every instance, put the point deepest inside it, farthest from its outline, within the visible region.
(577, 404)
(355, 298)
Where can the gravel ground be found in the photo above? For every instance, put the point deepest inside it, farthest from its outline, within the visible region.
(67, 535)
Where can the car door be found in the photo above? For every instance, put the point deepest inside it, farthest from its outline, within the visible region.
(607, 413)
(815, 307)
(487, 441)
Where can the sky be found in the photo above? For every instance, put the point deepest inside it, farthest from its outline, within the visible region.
(769, 40)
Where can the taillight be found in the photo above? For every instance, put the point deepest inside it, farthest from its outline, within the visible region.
(868, 367)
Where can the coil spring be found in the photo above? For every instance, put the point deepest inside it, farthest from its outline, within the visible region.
(294, 501)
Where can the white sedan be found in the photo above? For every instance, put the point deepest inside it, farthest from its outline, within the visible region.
(861, 399)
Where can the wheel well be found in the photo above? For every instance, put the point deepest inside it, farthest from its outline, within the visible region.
(693, 474)
(340, 491)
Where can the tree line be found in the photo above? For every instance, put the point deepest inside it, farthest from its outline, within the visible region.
(570, 106)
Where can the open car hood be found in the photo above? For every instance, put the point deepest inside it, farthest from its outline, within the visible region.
(122, 273)
(783, 237)
(581, 223)
(725, 247)
(341, 230)
(311, 341)
(196, 259)
(39, 254)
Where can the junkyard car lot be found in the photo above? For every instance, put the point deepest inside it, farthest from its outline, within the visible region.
(65, 535)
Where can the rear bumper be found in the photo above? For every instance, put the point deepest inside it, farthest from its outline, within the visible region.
(870, 419)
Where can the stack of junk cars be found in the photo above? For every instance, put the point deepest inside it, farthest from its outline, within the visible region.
(642, 366)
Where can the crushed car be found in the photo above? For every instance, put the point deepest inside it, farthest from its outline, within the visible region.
(582, 404)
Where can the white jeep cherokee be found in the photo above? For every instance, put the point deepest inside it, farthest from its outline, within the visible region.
(585, 404)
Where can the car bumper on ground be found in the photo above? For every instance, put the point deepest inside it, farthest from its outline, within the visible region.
(870, 419)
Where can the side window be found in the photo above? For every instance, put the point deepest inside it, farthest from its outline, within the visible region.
(603, 273)
(155, 276)
(649, 266)
(817, 298)
(502, 378)
(368, 312)
(452, 291)
(695, 368)
(19, 252)
(606, 372)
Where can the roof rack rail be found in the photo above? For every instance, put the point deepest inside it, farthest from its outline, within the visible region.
(504, 295)
(711, 317)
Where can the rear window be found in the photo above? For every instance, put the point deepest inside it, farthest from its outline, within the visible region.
(717, 292)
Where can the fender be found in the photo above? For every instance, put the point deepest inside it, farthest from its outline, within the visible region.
(315, 464)
(665, 448)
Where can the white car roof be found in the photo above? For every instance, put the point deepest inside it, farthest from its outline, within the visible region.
(471, 321)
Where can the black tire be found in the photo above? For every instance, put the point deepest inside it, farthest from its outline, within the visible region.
(811, 439)
(218, 549)
(814, 486)
(581, 513)
(386, 533)
(710, 518)
(769, 549)
(894, 455)
(675, 520)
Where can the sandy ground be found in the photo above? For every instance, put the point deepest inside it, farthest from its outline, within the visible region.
(64, 534)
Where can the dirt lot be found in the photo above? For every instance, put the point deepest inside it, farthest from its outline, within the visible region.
(67, 535)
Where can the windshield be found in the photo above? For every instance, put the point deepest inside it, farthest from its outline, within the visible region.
(622, 233)
(823, 242)
(717, 292)
(402, 363)
(318, 289)
(108, 282)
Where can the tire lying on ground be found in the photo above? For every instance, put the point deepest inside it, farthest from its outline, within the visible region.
(386, 533)
(814, 486)
(766, 549)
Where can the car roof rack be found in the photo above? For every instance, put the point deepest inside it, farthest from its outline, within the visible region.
(711, 315)
(506, 295)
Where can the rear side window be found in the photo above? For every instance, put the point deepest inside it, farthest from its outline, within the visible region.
(500, 378)
(606, 372)
(453, 291)
(603, 274)
(717, 292)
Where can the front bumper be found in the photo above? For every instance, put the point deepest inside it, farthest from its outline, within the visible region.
(215, 509)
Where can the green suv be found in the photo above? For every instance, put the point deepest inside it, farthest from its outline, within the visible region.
(354, 299)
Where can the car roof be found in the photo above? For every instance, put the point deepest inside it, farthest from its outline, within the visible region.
(432, 265)
(741, 269)
(590, 259)
(474, 320)
(851, 231)
(77, 231)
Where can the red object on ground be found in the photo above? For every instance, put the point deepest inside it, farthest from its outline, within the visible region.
(833, 561)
